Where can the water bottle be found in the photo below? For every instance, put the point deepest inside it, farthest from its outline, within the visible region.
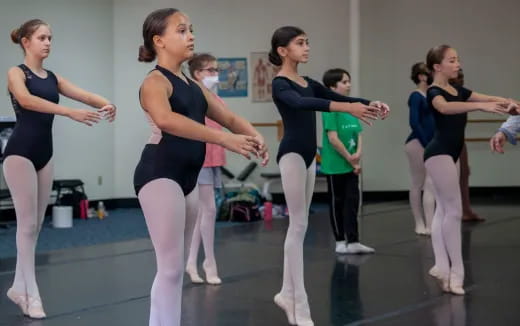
(268, 211)
(101, 210)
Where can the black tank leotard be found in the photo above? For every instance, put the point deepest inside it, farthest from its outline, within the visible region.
(448, 138)
(176, 158)
(32, 134)
(297, 106)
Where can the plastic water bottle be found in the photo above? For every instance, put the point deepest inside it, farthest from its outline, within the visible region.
(268, 211)
(101, 213)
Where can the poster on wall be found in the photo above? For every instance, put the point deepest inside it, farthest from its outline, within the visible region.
(263, 73)
(232, 77)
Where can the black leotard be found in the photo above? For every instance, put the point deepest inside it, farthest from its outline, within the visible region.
(176, 158)
(297, 106)
(448, 138)
(32, 134)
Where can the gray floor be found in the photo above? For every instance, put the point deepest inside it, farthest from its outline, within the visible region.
(109, 284)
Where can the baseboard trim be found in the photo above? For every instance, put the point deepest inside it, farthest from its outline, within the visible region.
(485, 194)
(477, 193)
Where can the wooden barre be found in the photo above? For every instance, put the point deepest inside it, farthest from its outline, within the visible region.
(278, 124)
(265, 124)
(486, 121)
(481, 140)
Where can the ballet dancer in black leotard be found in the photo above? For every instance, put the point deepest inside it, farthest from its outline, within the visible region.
(450, 105)
(28, 165)
(297, 98)
(166, 177)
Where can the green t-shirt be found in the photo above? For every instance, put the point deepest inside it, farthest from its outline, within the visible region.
(348, 128)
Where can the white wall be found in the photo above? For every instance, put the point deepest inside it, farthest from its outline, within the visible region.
(81, 52)
(226, 28)
(395, 34)
(95, 45)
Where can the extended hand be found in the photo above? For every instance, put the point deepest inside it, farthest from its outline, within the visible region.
(497, 142)
(384, 109)
(108, 112)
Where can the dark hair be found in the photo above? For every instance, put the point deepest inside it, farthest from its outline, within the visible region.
(282, 37)
(26, 30)
(332, 77)
(198, 61)
(154, 24)
(419, 69)
(459, 81)
(435, 56)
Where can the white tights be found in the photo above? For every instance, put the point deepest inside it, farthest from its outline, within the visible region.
(298, 187)
(30, 191)
(446, 226)
(170, 217)
(422, 210)
(205, 231)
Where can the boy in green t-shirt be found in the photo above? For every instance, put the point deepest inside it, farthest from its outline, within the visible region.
(340, 161)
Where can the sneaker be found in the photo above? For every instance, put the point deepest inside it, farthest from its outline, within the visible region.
(358, 248)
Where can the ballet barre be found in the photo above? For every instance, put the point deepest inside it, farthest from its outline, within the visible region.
(481, 140)
(278, 124)
(486, 121)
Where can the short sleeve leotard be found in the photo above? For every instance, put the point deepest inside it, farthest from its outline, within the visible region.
(448, 138)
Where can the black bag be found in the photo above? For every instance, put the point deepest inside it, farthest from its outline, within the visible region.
(240, 206)
(73, 199)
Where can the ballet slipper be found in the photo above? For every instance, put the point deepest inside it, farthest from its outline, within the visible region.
(18, 299)
(302, 313)
(287, 306)
(35, 308)
(194, 275)
(456, 284)
(211, 274)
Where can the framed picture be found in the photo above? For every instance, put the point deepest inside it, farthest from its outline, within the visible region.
(263, 73)
(232, 77)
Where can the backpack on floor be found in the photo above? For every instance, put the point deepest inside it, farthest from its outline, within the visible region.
(240, 206)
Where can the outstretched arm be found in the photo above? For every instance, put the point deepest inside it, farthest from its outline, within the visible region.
(16, 85)
(156, 90)
(74, 92)
(284, 93)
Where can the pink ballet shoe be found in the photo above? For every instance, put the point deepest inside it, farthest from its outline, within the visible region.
(434, 272)
(444, 282)
(35, 308)
(287, 306)
(211, 274)
(302, 314)
(456, 284)
(194, 275)
(18, 299)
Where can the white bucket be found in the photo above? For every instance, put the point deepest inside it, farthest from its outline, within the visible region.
(62, 216)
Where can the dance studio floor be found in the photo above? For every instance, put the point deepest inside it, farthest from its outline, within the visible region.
(108, 285)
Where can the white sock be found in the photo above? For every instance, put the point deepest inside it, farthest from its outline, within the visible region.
(341, 247)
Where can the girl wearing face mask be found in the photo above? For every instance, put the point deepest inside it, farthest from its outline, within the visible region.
(28, 167)
(203, 68)
(450, 104)
(297, 99)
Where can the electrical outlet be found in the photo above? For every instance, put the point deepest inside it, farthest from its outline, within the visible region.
(99, 180)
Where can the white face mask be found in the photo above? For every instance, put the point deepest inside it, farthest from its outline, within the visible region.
(211, 82)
